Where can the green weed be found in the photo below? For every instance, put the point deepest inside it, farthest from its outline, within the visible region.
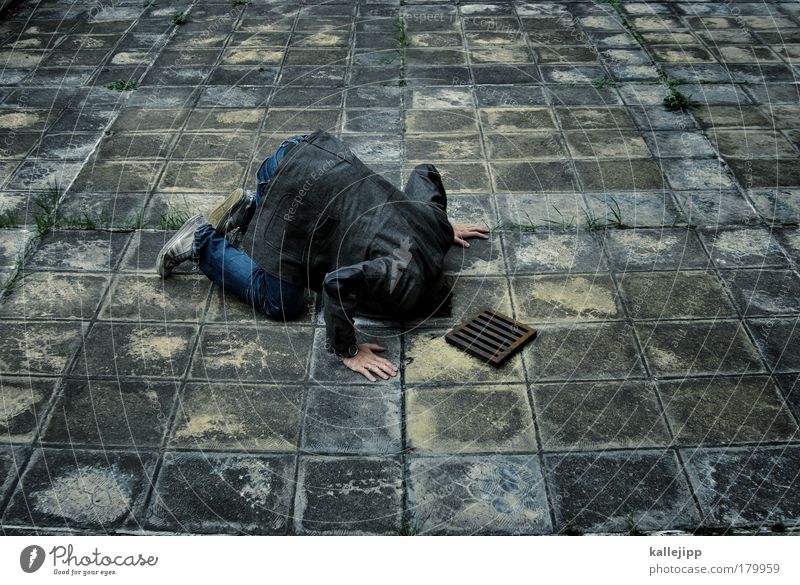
(603, 82)
(120, 85)
(172, 220)
(240, 2)
(677, 101)
(47, 203)
(616, 213)
(564, 222)
(179, 18)
(8, 219)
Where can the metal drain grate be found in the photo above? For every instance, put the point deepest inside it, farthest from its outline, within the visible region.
(490, 336)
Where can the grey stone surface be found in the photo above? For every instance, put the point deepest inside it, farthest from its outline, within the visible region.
(656, 253)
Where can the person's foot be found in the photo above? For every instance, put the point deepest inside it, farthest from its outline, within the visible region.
(233, 215)
(179, 247)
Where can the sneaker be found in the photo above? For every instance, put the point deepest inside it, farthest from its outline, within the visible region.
(233, 216)
(179, 247)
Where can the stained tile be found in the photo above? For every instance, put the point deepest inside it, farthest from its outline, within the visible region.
(111, 414)
(54, 295)
(583, 352)
(469, 419)
(352, 419)
(570, 298)
(80, 489)
(643, 491)
(234, 416)
(264, 354)
(478, 494)
(726, 411)
(674, 295)
(595, 415)
(130, 349)
(348, 496)
(222, 493)
(23, 404)
(698, 347)
(746, 487)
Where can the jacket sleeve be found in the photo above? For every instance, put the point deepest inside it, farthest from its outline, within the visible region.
(342, 290)
(425, 184)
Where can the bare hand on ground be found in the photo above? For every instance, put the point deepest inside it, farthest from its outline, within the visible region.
(366, 362)
(464, 231)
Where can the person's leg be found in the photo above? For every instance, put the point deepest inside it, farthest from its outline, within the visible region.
(232, 269)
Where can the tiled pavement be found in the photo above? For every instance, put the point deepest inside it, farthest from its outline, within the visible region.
(661, 393)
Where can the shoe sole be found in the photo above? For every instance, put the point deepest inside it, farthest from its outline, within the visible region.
(221, 212)
(178, 235)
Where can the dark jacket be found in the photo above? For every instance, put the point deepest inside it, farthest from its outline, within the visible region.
(329, 223)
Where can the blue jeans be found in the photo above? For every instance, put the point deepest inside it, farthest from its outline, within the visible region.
(235, 271)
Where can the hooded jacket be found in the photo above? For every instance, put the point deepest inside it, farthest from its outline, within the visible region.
(329, 223)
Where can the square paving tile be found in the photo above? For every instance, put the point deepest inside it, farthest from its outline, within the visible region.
(131, 349)
(613, 118)
(91, 251)
(441, 121)
(469, 419)
(743, 248)
(80, 489)
(111, 414)
(746, 487)
(609, 175)
(778, 340)
(715, 208)
(23, 404)
(478, 494)
(533, 176)
(698, 347)
(429, 359)
(353, 420)
(617, 492)
(537, 253)
(605, 144)
(764, 292)
(195, 177)
(583, 351)
(117, 177)
(571, 298)
(222, 493)
(674, 295)
(148, 297)
(348, 495)
(777, 205)
(645, 249)
(29, 347)
(599, 415)
(54, 295)
(234, 416)
(247, 354)
(726, 411)
(530, 146)
(627, 210)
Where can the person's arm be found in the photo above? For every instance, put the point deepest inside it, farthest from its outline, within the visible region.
(342, 289)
